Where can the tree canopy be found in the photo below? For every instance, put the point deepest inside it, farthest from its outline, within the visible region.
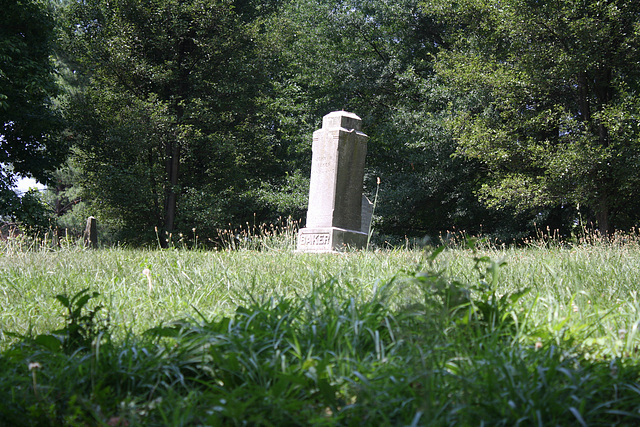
(164, 124)
(546, 98)
(485, 116)
(28, 122)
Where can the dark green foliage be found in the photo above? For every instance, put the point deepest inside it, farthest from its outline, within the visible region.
(543, 94)
(28, 122)
(82, 328)
(476, 306)
(28, 213)
(164, 128)
(489, 120)
(33, 214)
(375, 59)
(280, 361)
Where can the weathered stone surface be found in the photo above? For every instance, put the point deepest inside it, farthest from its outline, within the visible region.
(329, 239)
(341, 119)
(91, 233)
(335, 190)
(366, 214)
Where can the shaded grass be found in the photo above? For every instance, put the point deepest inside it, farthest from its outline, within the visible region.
(211, 282)
(365, 338)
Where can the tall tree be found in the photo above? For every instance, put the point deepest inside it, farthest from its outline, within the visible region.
(374, 57)
(546, 96)
(27, 87)
(165, 123)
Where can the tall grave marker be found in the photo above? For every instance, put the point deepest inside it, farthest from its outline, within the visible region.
(334, 216)
(91, 233)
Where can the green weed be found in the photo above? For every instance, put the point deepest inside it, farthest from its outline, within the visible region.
(477, 335)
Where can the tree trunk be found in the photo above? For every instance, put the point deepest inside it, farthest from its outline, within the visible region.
(172, 166)
(183, 46)
(602, 217)
(604, 95)
(583, 96)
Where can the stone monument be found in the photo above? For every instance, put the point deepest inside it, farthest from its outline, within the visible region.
(334, 216)
(91, 233)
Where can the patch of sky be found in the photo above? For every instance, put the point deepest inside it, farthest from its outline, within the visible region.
(24, 184)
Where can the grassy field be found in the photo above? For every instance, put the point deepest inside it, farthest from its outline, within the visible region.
(542, 335)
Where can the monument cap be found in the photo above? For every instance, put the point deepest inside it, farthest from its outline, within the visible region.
(341, 119)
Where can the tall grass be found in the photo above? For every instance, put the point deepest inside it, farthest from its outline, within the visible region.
(479, 334)
(178, 280)
(281, 235)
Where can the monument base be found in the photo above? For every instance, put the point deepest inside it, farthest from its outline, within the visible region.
(329, 239)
